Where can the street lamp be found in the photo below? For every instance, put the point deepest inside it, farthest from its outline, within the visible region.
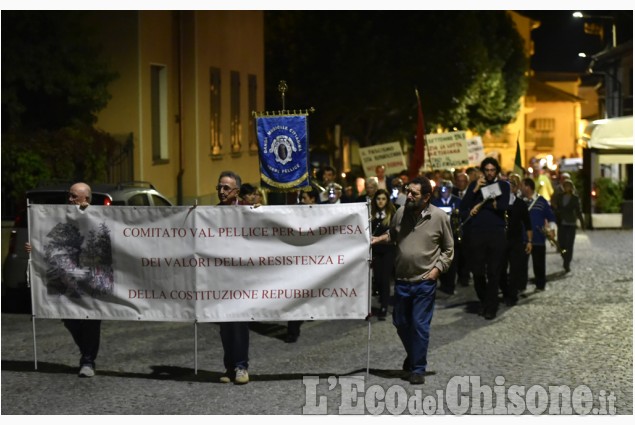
(581, 15)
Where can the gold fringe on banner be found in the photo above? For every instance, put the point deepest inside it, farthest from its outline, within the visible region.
(283, 113)
(288, 185)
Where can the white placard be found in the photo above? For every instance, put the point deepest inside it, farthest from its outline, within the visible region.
(491, 191)
(388, 154)
(447, 150)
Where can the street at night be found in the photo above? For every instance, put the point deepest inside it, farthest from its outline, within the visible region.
(577, 334)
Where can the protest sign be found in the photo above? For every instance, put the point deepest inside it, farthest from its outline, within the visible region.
(447, 150)
(388, 154)
(209, 264)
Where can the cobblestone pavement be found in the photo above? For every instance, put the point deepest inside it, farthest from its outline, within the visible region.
(579, 332)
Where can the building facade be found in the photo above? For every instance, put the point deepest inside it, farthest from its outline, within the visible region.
(188, 83)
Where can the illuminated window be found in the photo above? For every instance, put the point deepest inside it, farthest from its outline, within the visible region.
(214, 111)
(542, 133)
(253, 104)
(235, 124)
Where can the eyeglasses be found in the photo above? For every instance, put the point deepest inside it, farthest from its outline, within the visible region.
(225, 188)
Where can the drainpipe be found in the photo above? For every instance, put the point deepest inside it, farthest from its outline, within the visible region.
(179, 118)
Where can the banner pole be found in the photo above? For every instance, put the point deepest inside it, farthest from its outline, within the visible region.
(195, 347)
(34, 342)
(282, 88)
(28, 281)
(370, 288)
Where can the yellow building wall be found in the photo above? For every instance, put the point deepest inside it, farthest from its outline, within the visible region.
(571, 87)
(157, 36)
(566, 116)
(120, 44)
(187, 43)
(231, 41)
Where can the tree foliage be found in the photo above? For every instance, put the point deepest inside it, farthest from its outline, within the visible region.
(52, 73)
(360, 68)
(68, 154)
(54, 82)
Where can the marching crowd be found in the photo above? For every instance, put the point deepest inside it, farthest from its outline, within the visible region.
(493, 223)
(429, 233)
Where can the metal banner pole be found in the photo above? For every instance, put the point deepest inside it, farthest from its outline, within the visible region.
(370, 289)
(196, 347)
(28, 280)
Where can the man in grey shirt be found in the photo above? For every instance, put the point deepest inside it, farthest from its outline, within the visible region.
(425, 248)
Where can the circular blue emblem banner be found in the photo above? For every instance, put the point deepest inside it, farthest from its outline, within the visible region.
(283, 150)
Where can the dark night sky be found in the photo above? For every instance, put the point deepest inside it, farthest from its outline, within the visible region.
(561, 37)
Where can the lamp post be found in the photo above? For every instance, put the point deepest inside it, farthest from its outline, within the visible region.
(581, 15)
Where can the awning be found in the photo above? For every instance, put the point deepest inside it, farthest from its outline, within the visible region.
(612, 133)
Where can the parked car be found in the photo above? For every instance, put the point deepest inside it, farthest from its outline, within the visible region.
(16, 295)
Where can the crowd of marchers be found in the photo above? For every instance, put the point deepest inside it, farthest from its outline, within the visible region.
(430, 233)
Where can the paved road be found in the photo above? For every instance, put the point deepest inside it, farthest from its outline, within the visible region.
(578, 334)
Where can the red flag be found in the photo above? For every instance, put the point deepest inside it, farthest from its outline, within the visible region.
(417, 159)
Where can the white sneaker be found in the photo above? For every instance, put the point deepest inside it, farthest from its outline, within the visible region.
(86, 371)
(242, 377)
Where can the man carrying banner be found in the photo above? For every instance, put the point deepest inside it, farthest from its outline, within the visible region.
(86, 333)
(424, 250)
(234, 335)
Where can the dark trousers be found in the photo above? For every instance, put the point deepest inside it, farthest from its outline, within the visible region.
(382, 272)
(462, 262)
(293, 327)
(86, 334)
(538, 260)
(566, 239)
(412, 316)
(487, 253)
(516, 282)
(447, 280)
(235, 339)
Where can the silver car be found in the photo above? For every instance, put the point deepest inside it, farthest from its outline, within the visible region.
(16, 295)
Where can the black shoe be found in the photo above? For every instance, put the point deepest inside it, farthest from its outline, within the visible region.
(442, 294)
(489, 315)
(406, 365)
(381, 316)
(567, 269)
(291, 338)
(509, 302)
(417, 379)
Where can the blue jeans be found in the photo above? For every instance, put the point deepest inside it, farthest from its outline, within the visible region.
(412, 316)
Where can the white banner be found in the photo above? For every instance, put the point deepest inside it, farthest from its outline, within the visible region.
(210, 264)
(388, 154)
(447, 150)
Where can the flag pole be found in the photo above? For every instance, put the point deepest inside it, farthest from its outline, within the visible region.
(518, 164)
(418, 157)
